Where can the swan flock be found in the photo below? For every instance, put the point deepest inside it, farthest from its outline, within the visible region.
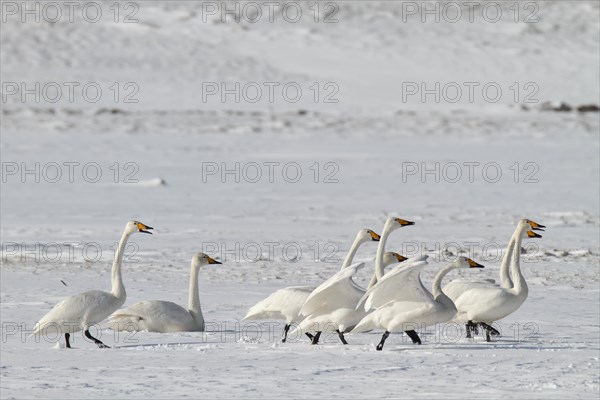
(395, 300)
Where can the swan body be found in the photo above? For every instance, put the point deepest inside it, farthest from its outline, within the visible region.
(332, 305)
(83, 310)
(165, 316)
(407, 276)
(422, 309)
(286, 303)
(484, 304)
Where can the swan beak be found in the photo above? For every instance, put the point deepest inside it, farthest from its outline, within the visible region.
(213, 261)
(535, 226)
(144, 228)
(375, 237)
(400, 258)
(532, 234)
(404, 222)
(473, 264)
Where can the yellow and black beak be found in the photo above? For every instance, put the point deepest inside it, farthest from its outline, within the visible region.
(473, 264)
(144, 228)
(213, 261)
(404, 222)
(532, 234)
(535, 226)
(375, 237)
(400, 258)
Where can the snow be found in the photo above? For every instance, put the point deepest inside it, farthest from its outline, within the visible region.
(366, 147)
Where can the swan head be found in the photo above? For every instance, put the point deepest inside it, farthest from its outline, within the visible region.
(527, 228)
(395, 223)
(390, 258)
(367, 235)
(465, 262)
(535, 226)
(136, 226)
(200, 259)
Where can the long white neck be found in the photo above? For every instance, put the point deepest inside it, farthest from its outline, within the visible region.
(505, 280)
(436, 288)
(194, 298)
(118, 290)
(520, 286)
(379, 267)
(352, 252)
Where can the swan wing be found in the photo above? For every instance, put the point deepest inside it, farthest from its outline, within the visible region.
(403, 283)
(82, 309)
(337, 291)
(457, 287)
(153, 316)
(282, 304)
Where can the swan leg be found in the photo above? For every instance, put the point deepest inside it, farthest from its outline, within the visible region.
(315, 339)
(341, 335)
(286, 328)
(310, 336)
(67, 337)
(98, 342)
(385, 336)
(490, 329)
(471, 327)
(414, 336)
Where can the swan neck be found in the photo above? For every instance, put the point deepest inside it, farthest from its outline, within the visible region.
(505, 279)
(436, 289)
(520, 286)
(379, 267)
(352, 252)
(118, 289)
(194, 298)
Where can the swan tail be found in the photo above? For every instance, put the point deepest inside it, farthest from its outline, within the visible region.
(125, 322)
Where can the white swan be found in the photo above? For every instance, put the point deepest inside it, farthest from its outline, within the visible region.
(81, 311)
(332, 305)
(484, 304)
(335, 302)
(424, 309)
(286, 303)
(165, 316)
(457, 287)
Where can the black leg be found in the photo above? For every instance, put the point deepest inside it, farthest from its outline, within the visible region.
(309, 335)
(98, 342)
(471, 327)
(380, 345)
(67, 336)
(493, 331)
(315, 339)
(286, 328)
(341, 335)
(487, 336)
(414, 336)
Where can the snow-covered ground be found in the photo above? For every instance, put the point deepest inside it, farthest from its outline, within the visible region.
(165, 159)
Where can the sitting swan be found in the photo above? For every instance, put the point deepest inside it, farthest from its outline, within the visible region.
(423, 308)
(286, 303)
(83, 310)
(165, 316)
